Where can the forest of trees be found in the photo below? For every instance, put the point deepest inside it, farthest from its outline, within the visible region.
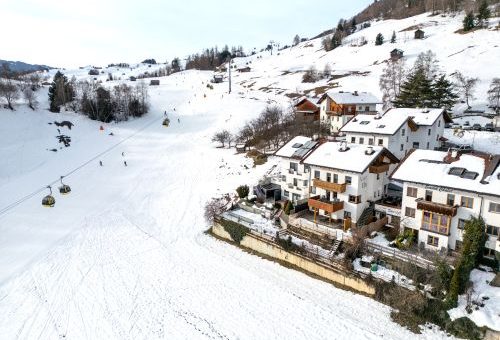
(211, 58)
(96, 101)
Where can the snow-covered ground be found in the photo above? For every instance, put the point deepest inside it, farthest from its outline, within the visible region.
(489, 315)
(484, 141)
(124, 255)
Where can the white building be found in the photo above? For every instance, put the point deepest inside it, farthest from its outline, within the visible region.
(442, 190)
(294, 179)
(399, 130)
(337, 108)
(345, 179)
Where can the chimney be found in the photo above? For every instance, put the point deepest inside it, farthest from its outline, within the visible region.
(369, 150)
(377, 116)
(355, 93)
(451, 156)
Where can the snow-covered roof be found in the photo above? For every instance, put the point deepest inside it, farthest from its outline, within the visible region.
(309, 99)
(292, 146)
(355, 159)
(351, 97)
(428, 167)
(390, 122)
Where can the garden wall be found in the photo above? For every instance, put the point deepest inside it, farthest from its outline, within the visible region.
(272, 250)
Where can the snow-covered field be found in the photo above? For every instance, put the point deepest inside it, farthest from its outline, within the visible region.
(124, 255)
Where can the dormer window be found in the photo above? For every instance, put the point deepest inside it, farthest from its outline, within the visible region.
(470, 175)
(365, 122)
(456, 171)
(381, 126)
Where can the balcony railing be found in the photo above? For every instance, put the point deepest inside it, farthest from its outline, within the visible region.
(379, 168)
(335, 187)
(324, 204)
(438, 208)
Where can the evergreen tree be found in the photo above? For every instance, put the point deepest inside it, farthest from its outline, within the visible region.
(379, 40)
(416, 91)
(469, 21)
(60, 92)
(443, 94)
(393, 38)
(484, 13)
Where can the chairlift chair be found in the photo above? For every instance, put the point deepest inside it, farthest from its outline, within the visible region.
(64, 189)
(49, 201)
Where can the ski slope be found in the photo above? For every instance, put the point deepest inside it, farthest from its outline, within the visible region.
(125, 256)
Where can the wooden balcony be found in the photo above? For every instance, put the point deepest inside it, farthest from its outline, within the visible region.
(438, 208)
(335, 187)
(379, 168)
(328, 206)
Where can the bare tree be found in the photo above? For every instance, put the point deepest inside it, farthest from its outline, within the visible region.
(223, 137)
(466, 86)
(296, 40)
(9, 91)
(30, 97)
(214, 208)
(391, 79)
(494, 94)
(327, 71)
(428, 62)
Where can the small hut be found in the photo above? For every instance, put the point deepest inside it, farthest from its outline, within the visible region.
(218, 78)
(133, 78)
(154, 82)
(244, 69)
(419, 34)
(396, 54)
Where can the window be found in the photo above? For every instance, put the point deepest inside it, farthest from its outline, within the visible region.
(403, 131)
(295, 182)
(416, 145)
(467, 202)
(367, 108)
(335, 178)
(435, 222)
(411, 191)
(380, 141)
(494, 208)
(361, 140)
(410, 212)
(450, 199)
(370, 141)
(353, 139)
(401, 147)
(328, 177)
(365, 122)
(354, 199)
(427, 147)
(348, 179)
(470, 175)
(305, 183)
(294, 166)
(439, 123)
(456, 171)
(429, 132)
(487, 252)
(316, 174)
(407, 139)
(378, 176)
(428, 195)
(286, 193)
(461, 224)
(347, 214)
(433, 241)
(492, 230)
(313, 190)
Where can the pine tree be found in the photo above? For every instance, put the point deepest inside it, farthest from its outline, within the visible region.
(484, 13)
(443, 94)
(416, 91)
(60, 92)
(393, 38)
(469, 22)
(379, 40)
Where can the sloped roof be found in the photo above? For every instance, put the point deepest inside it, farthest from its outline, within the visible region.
(351, 97)
(288, 150)
(390, 122)
(428, 167)
(355, 159)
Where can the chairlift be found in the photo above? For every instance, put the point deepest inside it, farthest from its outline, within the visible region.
(49, 201)
(64, 189)
(166, 122)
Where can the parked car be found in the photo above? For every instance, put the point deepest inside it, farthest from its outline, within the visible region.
(489, 127)
(467, 123)
(448, 126)
(477, 127)
(455, 126)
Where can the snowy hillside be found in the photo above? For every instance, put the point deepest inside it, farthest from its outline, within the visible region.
(476, 54)
(125, 256)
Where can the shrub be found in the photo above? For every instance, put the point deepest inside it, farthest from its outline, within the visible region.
(243, 191)
(288, 207)
(288, 245)
(235, 230)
